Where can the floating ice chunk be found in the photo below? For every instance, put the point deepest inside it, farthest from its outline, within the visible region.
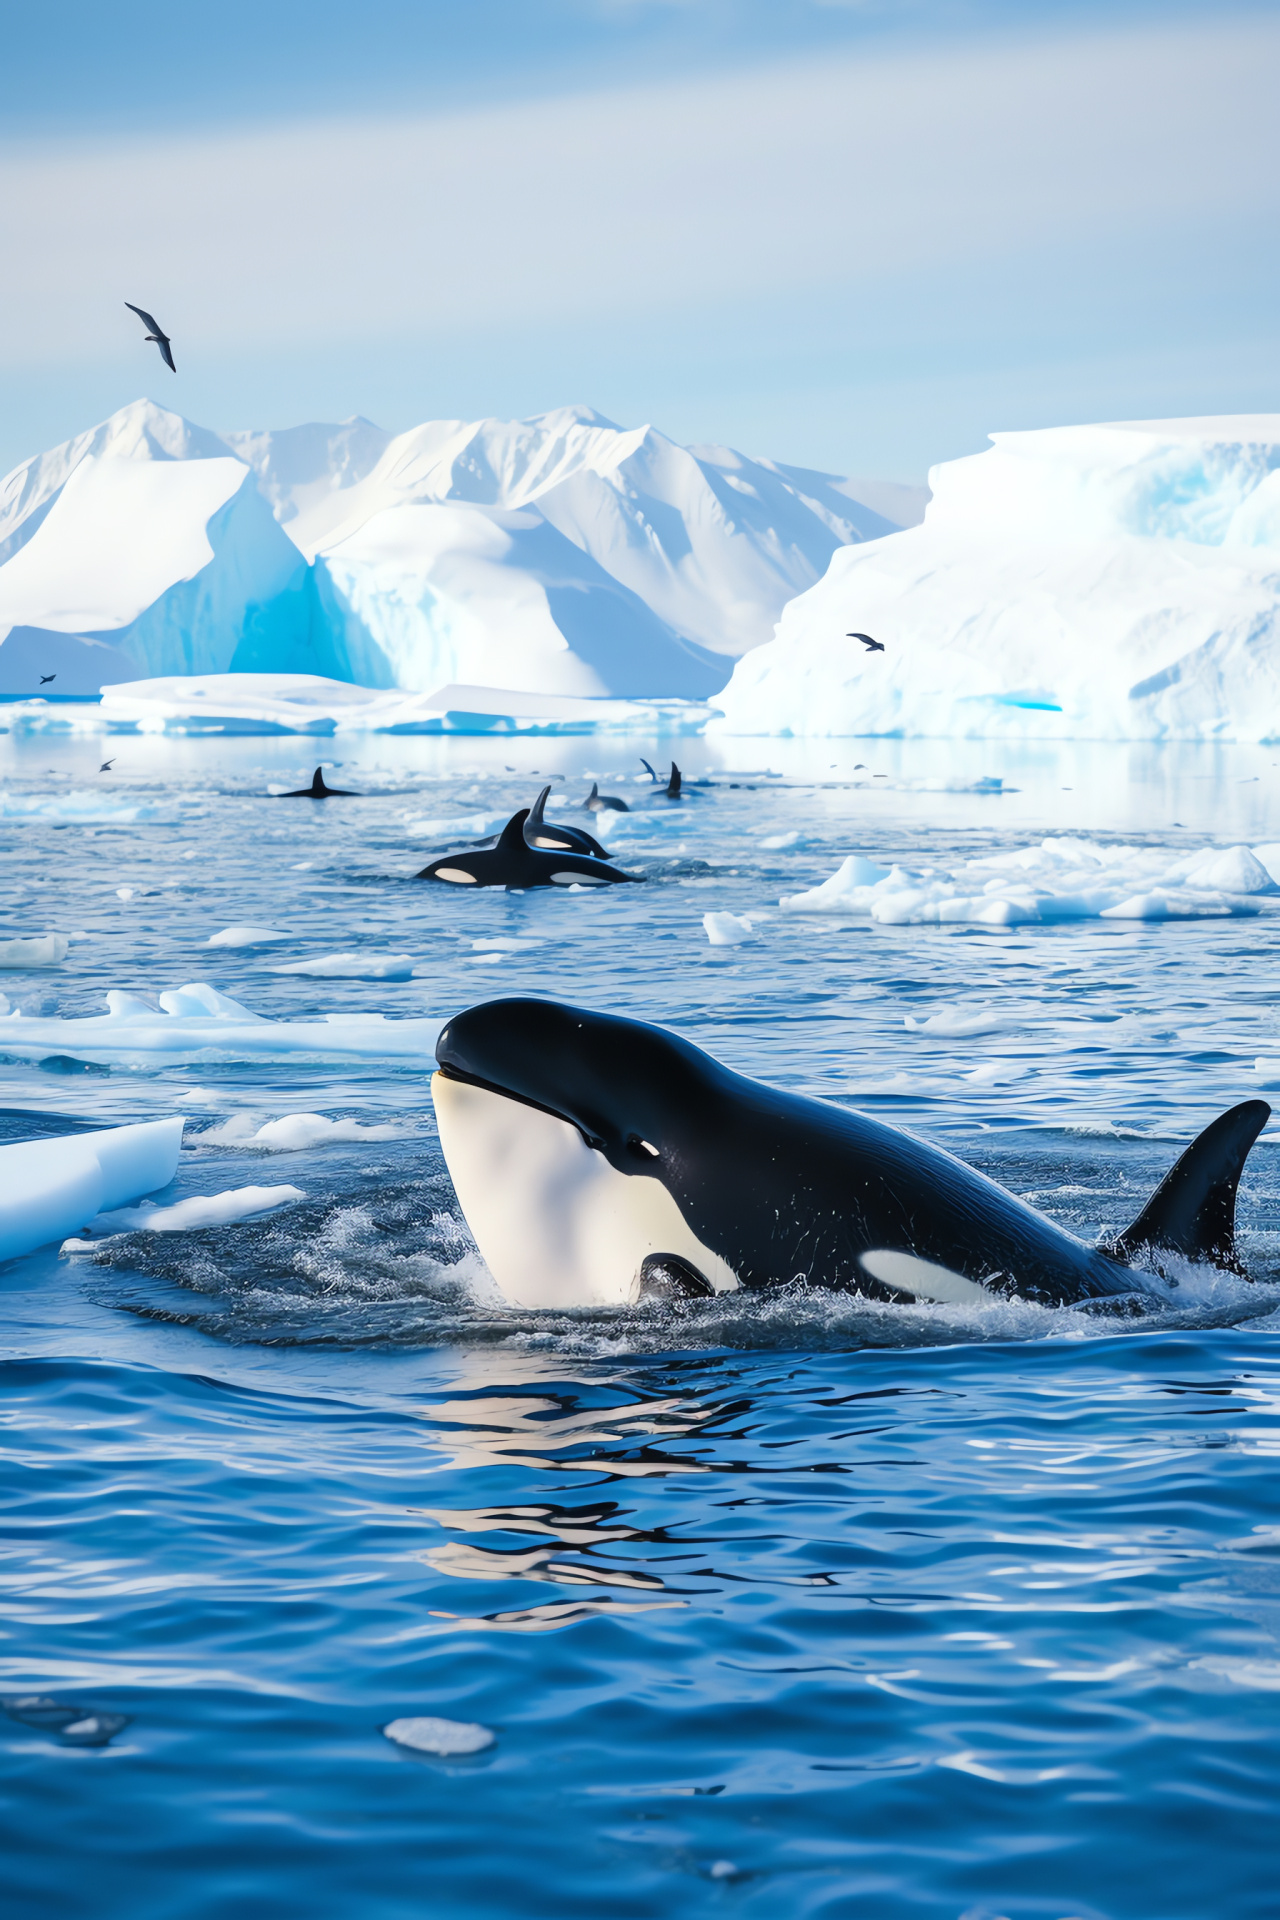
(506, 943)
(776, 842)
(50, 950)
(201, 1210)
(727, 929)
(125, 893)
(48, 1188)
(196, 1022)
(353, 966)
(291, 1133)
(1060, 879)
(75, 807)
(464, 826)
(447, 1738)
(246, 937)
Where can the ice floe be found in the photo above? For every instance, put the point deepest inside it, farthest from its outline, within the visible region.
(46, 950)
(448, 1739)
(75, 808)
(1059, 879)
(246, 937)
(352, 966)
(196, 1022)
(290, 1134)
(200, 1210)
(727, 929)
(49, 1188)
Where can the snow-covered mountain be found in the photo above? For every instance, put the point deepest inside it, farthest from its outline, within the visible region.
(559, 554)
(1103, 582)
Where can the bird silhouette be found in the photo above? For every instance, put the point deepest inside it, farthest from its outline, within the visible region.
(872, 646)
(45, 678)
(157, 334)
(106, 766)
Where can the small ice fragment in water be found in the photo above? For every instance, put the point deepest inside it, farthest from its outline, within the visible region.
(245, 937)
(723, 1870)
(776, 842)
(448, 1738)
(47, 951)
(124, 893)
(727, 929)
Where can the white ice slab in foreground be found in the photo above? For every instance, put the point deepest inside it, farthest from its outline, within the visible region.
(50, 1188)
(353, 966)
(196, 1022)
(1060, 879)
(200, 1210)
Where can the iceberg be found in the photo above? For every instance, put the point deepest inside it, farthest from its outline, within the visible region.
(50, 1188)
(555, 556)
(1116, 582)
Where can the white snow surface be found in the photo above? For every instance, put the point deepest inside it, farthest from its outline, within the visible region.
(196, 1022)
(49, 1188)
(1059, 879)
(559, 554)
(1097, 582)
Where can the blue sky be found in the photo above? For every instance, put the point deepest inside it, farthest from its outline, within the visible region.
(844, 234)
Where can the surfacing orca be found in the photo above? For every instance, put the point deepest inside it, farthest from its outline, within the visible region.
(559, 839)
(600, 1161)
(319, 791)
(514, 863)
(597, 802)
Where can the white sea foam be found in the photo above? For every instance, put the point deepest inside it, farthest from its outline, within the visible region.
(459, 826)
(353, 966)
(82, 805)
(1063, 878)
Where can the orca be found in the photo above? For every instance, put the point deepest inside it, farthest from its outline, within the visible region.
(514, 863)
(319, 791)
(597, 802)
(600, 1161)
(557, 839)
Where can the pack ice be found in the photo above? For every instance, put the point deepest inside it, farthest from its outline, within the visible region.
(1099, 582)
(49, 1188)
(1060, 879)
(556, 555)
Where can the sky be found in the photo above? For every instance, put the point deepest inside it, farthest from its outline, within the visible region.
(844, 234)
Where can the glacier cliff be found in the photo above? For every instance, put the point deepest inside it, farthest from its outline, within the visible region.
(558, 555)
(1100, 582)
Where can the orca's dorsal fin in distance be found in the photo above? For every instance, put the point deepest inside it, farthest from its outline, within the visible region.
(673, 784)
(511, 839)
(1193, 1210)
(317, 782)
(649, 770)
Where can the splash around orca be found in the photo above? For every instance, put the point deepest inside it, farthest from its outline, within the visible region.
(514, 863)
(319, 791)
(599, 1161)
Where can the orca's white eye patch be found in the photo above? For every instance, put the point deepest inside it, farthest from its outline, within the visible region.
(458, 874)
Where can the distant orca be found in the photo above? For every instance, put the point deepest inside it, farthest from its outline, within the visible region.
(597, 802)
(672, 790)
(318, 791)
(558, 839)
(514, 863)
(600, 1160)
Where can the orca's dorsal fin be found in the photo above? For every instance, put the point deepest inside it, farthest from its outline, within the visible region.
(673, 784)
(533, 821)
(1193, 1210)
(511, 839)
(317, 782)
(649, 770)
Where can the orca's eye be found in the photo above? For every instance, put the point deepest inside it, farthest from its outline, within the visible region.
(641, 1147)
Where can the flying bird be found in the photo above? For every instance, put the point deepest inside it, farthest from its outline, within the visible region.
(157, 334)
(45, 678)
(872, 646)
(106, 766)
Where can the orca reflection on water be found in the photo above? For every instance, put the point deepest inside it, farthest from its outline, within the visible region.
(514, 862)
(319, 791)
(600, 1160)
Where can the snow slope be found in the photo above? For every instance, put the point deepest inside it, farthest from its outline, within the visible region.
(1104, 582)
(558, 555)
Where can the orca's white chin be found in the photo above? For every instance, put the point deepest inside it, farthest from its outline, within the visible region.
(556, 1225)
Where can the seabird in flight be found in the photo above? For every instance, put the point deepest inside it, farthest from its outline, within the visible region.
(157, 334)
(45, 678)
(872, 646)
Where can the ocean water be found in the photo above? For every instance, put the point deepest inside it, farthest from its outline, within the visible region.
(794, 1606)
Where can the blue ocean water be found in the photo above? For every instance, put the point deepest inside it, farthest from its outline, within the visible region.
(796, 1606)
